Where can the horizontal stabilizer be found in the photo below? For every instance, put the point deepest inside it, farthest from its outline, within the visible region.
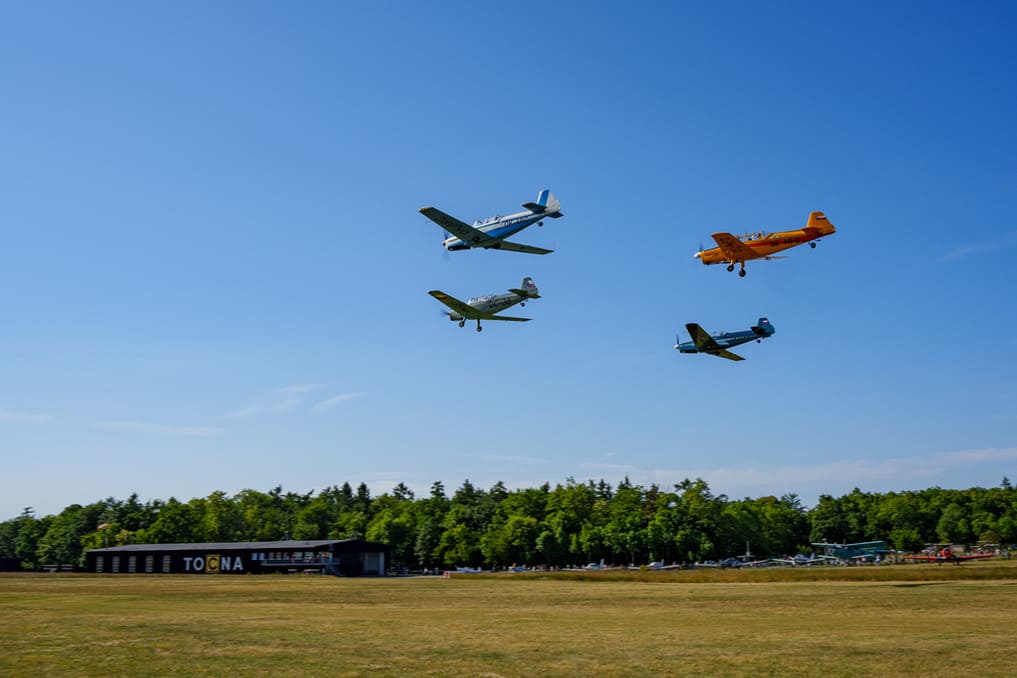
(534, 207)
(524, 293)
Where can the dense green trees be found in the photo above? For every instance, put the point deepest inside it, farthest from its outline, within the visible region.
(569, 524)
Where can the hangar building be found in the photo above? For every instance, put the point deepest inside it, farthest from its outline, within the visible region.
(347, 557)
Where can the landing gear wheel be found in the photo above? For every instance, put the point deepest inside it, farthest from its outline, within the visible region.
(462, 323)
(522, 303)
(479, 328)
(741, 273)
(812, 245)
(730, 268)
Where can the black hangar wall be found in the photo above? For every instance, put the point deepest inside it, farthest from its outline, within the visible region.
(346, 557)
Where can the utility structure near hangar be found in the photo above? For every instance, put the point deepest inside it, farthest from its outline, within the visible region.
(345, 557)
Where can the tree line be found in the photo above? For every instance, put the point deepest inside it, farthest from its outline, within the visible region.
(570, 523)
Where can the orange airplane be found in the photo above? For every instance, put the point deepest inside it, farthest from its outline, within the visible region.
(733, 250)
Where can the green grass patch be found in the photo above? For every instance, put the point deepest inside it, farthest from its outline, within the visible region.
(838, 622)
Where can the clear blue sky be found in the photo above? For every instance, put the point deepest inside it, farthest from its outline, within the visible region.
(214, 275)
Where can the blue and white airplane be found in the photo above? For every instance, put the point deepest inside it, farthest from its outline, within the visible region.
(717, 344)
(490, 233)
(485, 307)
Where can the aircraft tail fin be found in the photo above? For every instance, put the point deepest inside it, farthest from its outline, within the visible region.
(527, 289)
(763, 327)
(819, 222)
(546, 204)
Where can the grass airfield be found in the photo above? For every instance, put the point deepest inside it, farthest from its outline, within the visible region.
(928, 619)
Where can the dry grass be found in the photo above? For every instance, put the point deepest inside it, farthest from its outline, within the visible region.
(915, 620)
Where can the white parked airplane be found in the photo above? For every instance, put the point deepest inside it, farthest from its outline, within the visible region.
(485, 307)
(490, 233)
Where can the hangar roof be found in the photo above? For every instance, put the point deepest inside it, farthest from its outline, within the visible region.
(301, 545)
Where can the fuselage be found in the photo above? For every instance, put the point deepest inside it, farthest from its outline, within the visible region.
(498, 228)
(724, 340)
(765, 244)
(489, 304)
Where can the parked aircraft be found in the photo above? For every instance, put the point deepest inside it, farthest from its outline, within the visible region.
(656, 565)
(490, 233)
(947, 555)
(717, 344)
(858, 551)
(591, 566)
(485, 307)
(801, 559)
(733, 249)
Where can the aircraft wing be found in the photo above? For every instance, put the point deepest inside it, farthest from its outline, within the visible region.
(733, 248)
(460, 307)
(506, 317)
(705, 343)
(463, 231)
(702, 338)
(516, 247)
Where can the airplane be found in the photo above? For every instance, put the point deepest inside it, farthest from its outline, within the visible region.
(947, 555)
(717, 344)
(656, 565)
(800, 559)
(490, 233)
(485, 307)
(592, 567)
(733, 249)
(858, 551)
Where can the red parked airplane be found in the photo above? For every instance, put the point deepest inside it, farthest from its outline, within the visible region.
(947, 555)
